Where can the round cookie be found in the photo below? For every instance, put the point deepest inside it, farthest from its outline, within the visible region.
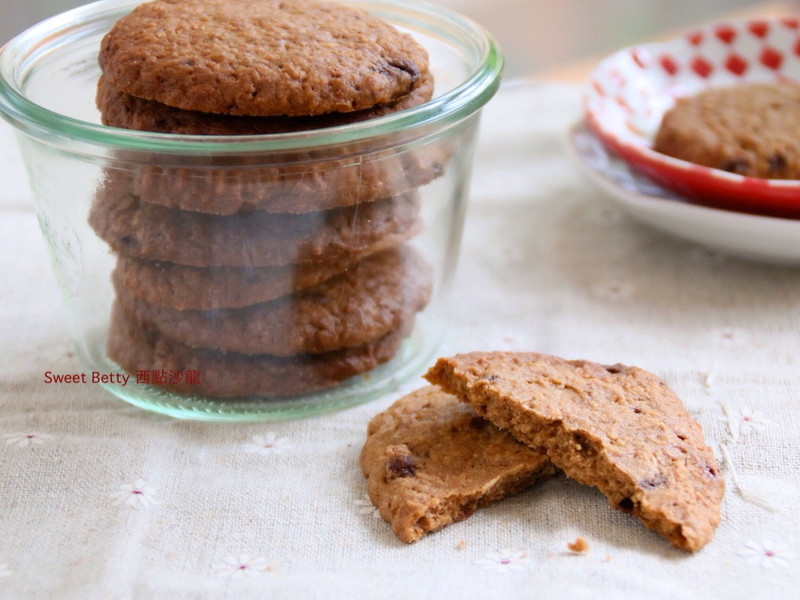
(204, 288)
(370, 300)
(749, 129)
(143, 230)
(431, 461)
(264, 58)
(292, 183)
(137, 347)
(119, 109)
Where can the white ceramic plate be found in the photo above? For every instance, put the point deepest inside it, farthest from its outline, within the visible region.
(749, 236)
(628, 93)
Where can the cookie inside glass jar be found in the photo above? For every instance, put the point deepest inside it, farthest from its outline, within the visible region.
(252, 224)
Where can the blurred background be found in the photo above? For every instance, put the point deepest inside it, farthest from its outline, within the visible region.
(537, 36)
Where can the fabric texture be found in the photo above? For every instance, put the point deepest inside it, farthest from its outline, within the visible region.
(99, 499)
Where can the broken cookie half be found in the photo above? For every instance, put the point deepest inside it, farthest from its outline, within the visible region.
(430, 461)
(618, 428)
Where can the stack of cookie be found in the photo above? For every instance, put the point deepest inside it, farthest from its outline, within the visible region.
(264, 274)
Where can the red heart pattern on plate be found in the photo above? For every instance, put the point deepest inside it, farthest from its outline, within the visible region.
(628, 93)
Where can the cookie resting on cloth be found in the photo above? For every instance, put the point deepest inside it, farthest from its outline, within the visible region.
(431, 461)
(618, 428)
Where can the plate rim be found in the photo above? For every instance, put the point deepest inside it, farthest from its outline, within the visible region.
(707, 185)
(759, 244)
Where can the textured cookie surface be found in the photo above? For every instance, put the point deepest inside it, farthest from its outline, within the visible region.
(749, 129)
(430, 461)
(292, 184)
(618, 428)
(119, 109)
(144, 230)
(204, 288)
(270, 57)
(373, 298)
(137, 346)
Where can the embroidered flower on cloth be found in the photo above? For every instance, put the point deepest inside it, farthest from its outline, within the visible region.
(751, 419)
(504, 561)
(241, 566)
(613, 290)
(267, 445)
(367, 507)
(23, 439)
(767, 554)
(730, 336)
(136, 494)
(744, 419)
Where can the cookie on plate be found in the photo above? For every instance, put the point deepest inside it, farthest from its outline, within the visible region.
(748, 129)
(431, 461)
(265, 58)
(374, 297)
(618, 428)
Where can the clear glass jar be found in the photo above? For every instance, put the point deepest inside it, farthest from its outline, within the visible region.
(256, 277)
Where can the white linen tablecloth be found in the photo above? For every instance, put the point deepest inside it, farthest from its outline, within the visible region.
(102, 500)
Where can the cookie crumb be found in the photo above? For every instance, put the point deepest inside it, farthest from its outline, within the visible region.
(579, 546)
(462, 544)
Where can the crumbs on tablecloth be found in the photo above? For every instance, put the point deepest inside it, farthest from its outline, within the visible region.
(579, 546)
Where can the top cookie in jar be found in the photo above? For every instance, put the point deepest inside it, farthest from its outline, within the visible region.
(260, 57)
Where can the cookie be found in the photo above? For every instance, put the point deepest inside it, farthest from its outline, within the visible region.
(291, 182)
(204, 288)
(136, 228)
(748, 129)
(136, 347)
(119, 109)
(296, 186)
(430, 461)
(264, 58)
(374, 297)
(618, 428)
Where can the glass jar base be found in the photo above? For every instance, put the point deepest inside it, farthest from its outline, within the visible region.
(412, 357)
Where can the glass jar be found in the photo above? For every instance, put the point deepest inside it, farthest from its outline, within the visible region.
(249, 277)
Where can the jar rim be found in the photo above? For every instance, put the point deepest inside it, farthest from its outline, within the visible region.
(17, 56)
